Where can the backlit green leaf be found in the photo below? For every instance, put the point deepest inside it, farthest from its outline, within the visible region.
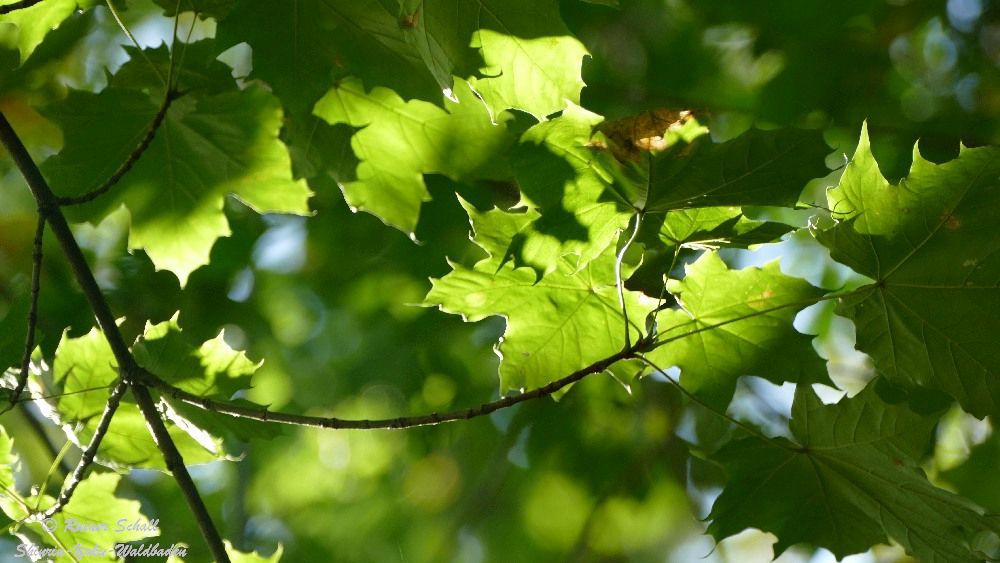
(212, 370)
(556, 325)
(400, 141)
(532, 62)
(8, 461)
(237, 556)
(560, 179)
(31, 25)
(715, 226)
(209, 146)
(930, 244)
(95, 518)
(744, 323)
(84, 369)
(10, 501)
(664, 236)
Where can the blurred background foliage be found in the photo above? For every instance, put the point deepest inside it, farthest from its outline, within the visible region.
(602, 475)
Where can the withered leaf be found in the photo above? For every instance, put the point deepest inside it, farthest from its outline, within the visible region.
(631, 136)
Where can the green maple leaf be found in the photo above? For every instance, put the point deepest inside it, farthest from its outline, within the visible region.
(975, 477)
(84, 369)
(211, 370)
(690, 193)
(745, 323)
(237, 556)
(79, 522)
(663, 236)
(200, 71)
(301, 47)
(532, 62)
(929, 244)
(8, 462)
(712, 227)
(567, 191)
(11, 504)
(852, 481)
(95, 517)
(756, 168)
(706, 227)
(563, 322)
(400, 141)
(440, 32)
(31, 25)
(514, 54)
(216, 140)
(318, 148)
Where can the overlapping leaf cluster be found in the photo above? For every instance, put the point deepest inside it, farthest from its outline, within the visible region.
(610, 245)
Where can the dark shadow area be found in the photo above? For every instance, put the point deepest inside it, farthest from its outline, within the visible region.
(914, 70)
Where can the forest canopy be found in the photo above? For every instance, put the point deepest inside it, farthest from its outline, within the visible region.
(491, 280)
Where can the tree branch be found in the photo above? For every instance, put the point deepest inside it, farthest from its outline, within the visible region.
(175, 463)
(90, 453)
(14, 6)
(48, 207)
(132, 158)
(645, 344)
(264, 415)
(121, 24)
(29, 338)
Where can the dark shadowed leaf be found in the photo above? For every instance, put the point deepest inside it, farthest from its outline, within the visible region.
(930, 244)
(851, 481)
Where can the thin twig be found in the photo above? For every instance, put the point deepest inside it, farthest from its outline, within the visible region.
(14, 6)
(621, 283)
(87, 458)
(29, 337)
(265, 415)
(173, 45)
(662, 299)
(175, 463)
(29, 399)
(694, 398)
(132, 158)
(48, 207)
(186, 42)
(645, 344)
(121, 24)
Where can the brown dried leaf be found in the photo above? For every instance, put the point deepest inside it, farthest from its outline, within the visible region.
(631, 136)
